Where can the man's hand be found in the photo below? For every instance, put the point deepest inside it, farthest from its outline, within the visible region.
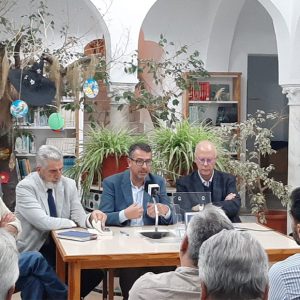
(98, 215)
(134, 211)
(162, 209)
(7, 218)
(230, 196)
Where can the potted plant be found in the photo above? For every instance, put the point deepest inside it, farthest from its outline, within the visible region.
(104, 153)
(175, 147)
(254, 178)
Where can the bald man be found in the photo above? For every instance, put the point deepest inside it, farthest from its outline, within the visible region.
(222, 186)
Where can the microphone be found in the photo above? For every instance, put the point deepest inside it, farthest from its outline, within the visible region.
(153, 190)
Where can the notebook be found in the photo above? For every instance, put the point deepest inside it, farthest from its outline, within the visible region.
(80, 236)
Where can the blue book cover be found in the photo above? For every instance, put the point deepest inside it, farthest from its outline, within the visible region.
(77, 235)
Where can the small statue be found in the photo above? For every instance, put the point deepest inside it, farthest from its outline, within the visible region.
(219, 93)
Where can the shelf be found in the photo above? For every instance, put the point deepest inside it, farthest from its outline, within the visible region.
(25, 154)
(42, 127)
(212, 102)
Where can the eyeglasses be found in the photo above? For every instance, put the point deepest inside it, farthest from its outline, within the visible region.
(208, 161)
(141, 162)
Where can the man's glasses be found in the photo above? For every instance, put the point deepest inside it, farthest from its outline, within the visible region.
(141, 162)
(208, 161)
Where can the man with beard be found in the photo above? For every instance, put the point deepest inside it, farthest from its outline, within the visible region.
(45, 201)
(127, 203)
(284, 276)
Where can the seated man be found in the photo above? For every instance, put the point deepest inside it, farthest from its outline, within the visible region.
(233, 265)
(9, 271)
(45, 201)
(126, 202)
(183, 283)
(37, 279)
(222, 186)
(284, 275)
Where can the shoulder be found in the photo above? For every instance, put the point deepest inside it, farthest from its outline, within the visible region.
(225, 175)
(31, 179)
(289, 265)
(68, 181)
(117, 177)
(150, 280)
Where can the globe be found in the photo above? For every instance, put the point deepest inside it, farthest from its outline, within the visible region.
(19, 108)
(91, 88)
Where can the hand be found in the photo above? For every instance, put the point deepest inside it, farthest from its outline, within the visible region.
(230, 196)
(134, 211)
(7, 218)
(98, 215)
(162, 209)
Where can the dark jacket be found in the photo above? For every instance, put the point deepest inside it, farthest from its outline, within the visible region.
(222, 185)
(117, 195)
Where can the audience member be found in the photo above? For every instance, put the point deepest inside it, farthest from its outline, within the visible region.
(183, 283)
(37, 279)
(9, 271)
(233, 266)
(126, 202)
(222, 186)
(284, 276)
(45, 201)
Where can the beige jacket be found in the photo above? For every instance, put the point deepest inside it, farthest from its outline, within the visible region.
(4, 210)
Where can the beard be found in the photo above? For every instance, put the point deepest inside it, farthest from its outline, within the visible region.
(296, 236)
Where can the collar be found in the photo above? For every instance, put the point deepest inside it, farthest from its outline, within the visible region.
(205, 181)
(46, 185)
(136, 187)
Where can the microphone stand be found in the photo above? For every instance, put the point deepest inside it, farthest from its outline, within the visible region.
(156, 213)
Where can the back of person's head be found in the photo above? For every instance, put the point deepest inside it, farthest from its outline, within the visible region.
(233, 266)
(46, 153)
(295, 204)
(9, 270)
(202, 226)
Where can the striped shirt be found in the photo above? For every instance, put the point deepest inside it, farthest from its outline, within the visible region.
(284, 279)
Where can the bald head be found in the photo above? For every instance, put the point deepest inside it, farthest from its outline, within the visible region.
(206, 146)
(205, 158)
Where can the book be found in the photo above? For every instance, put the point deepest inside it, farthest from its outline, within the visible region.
(74, 235)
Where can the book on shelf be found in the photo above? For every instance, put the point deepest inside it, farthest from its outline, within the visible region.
(199, 91)
(76, 235)
(23, 167)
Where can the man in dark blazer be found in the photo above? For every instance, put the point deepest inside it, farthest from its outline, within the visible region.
(126, 202)
(222, 186)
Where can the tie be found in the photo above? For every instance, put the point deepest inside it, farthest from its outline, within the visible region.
(51, 203)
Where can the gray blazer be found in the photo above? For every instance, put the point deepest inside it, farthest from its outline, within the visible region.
(33, 211)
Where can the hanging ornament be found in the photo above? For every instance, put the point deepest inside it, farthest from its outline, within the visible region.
(19, 108)
(4, 177)
(91, 88)
(56, 121)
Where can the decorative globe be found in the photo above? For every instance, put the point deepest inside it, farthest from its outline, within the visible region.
(91, 88)
(56, 121)
(19, 108)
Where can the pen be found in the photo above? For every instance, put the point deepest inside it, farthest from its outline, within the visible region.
(125, 233)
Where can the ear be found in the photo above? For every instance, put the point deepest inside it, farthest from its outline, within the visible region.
(298, 229)
(184, 244)
(266, 293)
(203, 292)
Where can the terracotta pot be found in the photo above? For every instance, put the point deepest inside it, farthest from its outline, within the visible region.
(276, 219)
(111, 165)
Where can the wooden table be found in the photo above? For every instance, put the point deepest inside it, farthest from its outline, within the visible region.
(128, 248)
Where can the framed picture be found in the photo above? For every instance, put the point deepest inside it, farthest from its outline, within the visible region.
(219, 92)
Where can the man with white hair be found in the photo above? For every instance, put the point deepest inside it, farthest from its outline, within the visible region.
(45, 201)
(183, 283)
(9, 271)
(233, 266)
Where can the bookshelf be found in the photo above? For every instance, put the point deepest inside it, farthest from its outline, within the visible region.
(216, 100)
(33, 132)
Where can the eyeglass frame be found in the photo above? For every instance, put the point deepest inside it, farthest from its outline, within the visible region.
(208, 161)
(141, 162)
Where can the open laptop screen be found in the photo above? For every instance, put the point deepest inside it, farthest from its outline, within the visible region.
(190, 201)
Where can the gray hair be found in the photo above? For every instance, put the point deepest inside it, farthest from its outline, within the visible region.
(9, 258)
(47, 152)
(202, 226)
(233, 265)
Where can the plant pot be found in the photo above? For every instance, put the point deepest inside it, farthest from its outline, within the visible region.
(276, 219)
(112, 165)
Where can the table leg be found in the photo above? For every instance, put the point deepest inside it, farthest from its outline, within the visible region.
(111, 287)
(60, 267)
(74, 274)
